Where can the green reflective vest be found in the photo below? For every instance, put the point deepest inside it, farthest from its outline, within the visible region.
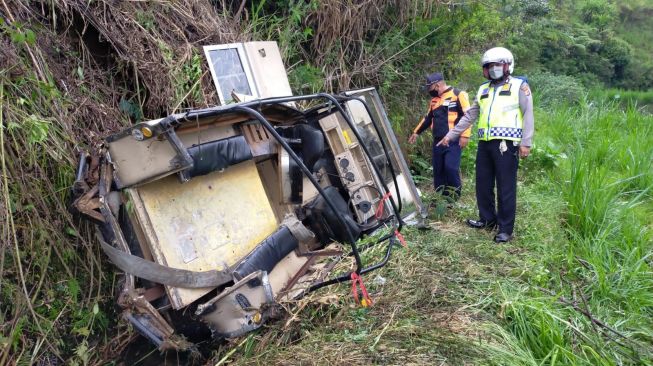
(499, 113)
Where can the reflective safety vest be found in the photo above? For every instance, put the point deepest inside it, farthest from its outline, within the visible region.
(499, 114)
(444, 113)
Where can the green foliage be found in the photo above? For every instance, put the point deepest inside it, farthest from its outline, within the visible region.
(598, 13)
(534, 8)
(550, 90)
(618, 53)
(608, 206)
(545, 156)
(561, 48)
(582, 41)
(131, 109)
(468, 158)
(18, 33)
(421, 169)
(146, 20)
(635, 27)
(306, 79)
(73, 289)
(189, 80)
(283, 21)
(628, 99)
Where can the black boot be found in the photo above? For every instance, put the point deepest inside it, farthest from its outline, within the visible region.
(481, 224)
(502, 238)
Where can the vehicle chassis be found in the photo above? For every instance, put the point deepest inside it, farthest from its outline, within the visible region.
(94, 195)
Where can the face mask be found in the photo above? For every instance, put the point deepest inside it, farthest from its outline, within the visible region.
(433, 93)
(496, 72)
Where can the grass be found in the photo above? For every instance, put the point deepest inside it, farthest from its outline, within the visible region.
(52, 281)
(575, 288)
(433, 307)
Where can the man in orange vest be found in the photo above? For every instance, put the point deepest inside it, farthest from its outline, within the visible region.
(448, 105)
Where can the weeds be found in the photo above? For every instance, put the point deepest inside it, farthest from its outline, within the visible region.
(606, 277)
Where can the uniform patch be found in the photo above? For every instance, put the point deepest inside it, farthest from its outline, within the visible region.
(524, 87)
(505, 89)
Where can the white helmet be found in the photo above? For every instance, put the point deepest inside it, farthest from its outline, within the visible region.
(500, 55)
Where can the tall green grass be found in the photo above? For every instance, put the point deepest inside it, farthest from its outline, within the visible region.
(632, 99)
(597, 308)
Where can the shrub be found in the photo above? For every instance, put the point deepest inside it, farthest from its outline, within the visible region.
(599, 13)
(551, 89)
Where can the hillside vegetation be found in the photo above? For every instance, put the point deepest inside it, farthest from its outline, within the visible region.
(574, 288)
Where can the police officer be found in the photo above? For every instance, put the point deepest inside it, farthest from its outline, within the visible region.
(504, 110)
(447, 107)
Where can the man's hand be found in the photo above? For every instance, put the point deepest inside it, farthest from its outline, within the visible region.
(412, 138)
(524, 151)
(463, 142)
(444, 141)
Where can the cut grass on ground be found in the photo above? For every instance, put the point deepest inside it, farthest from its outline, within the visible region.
(436, 303)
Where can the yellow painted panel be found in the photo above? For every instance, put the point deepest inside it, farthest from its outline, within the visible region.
(208, 223)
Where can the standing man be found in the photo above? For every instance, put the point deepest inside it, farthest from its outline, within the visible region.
(504, 110)
(448, 105)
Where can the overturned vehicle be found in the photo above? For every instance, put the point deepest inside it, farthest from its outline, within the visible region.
(218, 215)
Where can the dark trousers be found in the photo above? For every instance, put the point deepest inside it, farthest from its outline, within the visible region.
(493, 166)
(446, 169)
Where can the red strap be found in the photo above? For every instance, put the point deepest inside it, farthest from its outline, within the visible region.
(401, 238)
(356, 280)
(379, 210)
(354, 289)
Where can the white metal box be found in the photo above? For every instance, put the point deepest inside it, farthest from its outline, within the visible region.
(253, 69)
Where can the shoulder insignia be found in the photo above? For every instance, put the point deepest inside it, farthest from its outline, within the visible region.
(524, 87)
(522, 78)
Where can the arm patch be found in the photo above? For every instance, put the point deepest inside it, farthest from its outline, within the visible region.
(524, 87)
